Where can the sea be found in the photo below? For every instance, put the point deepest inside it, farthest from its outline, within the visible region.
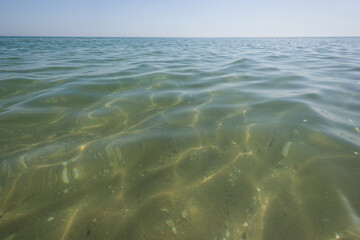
(180, 138)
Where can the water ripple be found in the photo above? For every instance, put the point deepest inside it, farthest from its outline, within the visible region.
(236, 138)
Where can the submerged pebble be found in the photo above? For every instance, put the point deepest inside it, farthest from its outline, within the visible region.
(227, 233)
(286, 149)
(357, 129)
(163, 209)
(64, 174)
(75, 173)
(173, 229)
(170, 223)
(184, 214)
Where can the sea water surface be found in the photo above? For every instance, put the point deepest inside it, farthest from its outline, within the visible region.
(179, 138)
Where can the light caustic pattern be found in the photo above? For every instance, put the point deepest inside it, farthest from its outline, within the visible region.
(169, 148)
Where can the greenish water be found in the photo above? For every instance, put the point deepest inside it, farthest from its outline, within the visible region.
(166, 138)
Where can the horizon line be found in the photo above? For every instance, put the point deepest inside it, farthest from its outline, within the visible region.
(59, 36)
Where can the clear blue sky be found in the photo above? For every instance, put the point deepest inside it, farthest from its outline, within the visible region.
(180, 18)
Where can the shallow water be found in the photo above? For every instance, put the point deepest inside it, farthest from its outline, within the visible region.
(170, 138)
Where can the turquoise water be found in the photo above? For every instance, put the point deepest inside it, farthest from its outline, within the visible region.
(171, 138)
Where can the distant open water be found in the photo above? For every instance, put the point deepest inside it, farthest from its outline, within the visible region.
(179, 138)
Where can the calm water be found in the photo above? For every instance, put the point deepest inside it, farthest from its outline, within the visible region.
(141, 138)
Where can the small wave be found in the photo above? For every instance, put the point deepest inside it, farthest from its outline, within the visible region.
(240, 61)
